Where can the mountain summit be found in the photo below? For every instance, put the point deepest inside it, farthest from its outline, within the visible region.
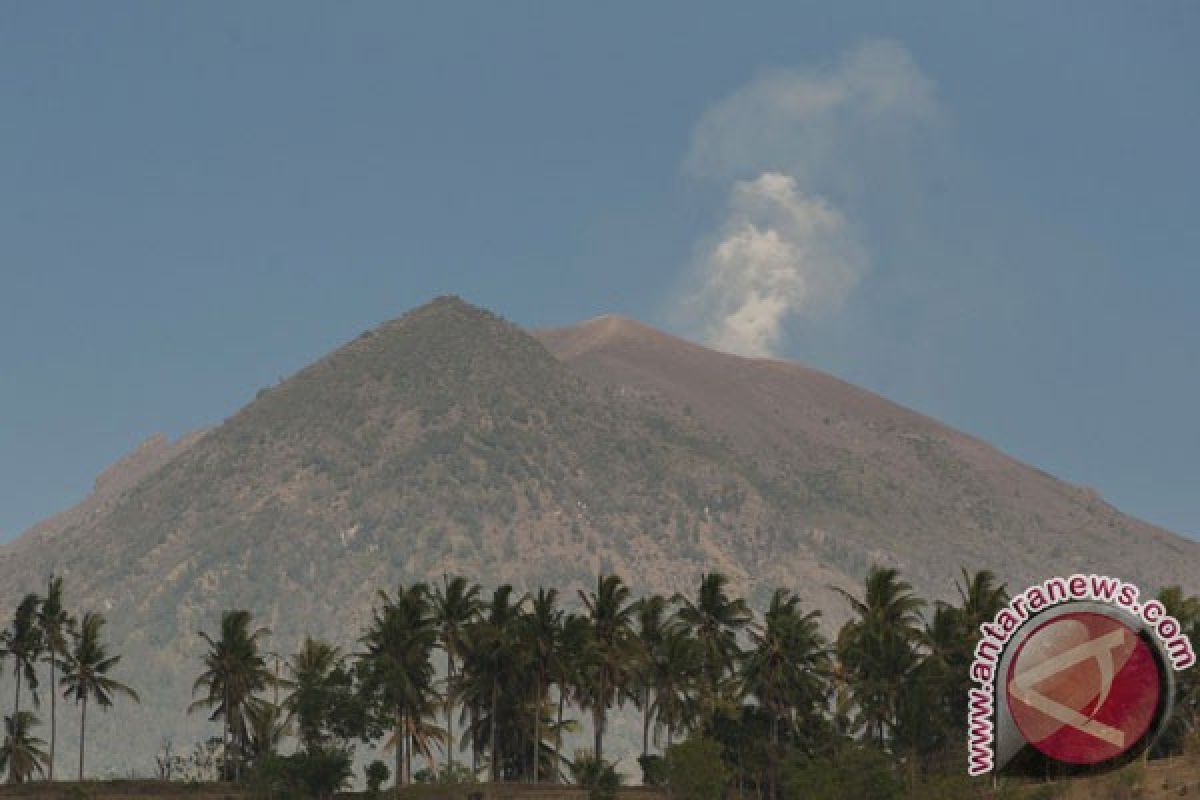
(450, 440)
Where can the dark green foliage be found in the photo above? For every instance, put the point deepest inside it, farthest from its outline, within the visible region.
(377, 774)
(445, 774)
(598, 776)
(696, 770)
(859, 771)
(308, 774)
(654, 770)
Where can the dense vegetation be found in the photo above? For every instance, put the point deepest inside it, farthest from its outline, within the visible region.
(461, 684)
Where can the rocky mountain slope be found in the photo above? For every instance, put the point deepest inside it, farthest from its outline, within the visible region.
(452, 441)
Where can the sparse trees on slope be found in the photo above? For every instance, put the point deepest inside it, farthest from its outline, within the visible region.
(86, 674)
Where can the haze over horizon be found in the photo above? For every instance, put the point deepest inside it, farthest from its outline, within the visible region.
(971, 218)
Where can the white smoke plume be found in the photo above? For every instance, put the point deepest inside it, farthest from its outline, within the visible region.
(780, 252)
(791, 141)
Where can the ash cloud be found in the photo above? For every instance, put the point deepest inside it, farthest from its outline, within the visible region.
(795, 147)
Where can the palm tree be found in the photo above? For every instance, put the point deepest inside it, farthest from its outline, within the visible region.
(309, 672)
(651, 615)
(612, 651)
(56, 625)
(398, 669)
(981, 598)
(786, 668)
(267, 725)
(21, 755)
(542, 636)
(494, 654)
(674, 671)
(455, 607)
(85, 674)
(714, 620)
(1185, 718)
(878, 649)
(570, 674)
(234, 670)
(22, 642)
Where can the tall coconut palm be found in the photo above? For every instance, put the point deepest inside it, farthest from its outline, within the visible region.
(714, 620)
(56, 626)
(455, 607)
(612, 652)
(1185, 718)
(786, 669)
(86, 674)
(235, 669)
(21, 754)
(569, 674)
(22, 642)
(541, 636)
(674, 669)
(495, 660)
(878, 648)
(398, 668)
(309, 670)
(981, 597)
(651, 627)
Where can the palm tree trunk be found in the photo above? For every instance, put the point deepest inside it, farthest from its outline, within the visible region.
(53, 715)
(399, 754)
(226, 737)
(450, 743)
(495, 754)
(558, 735)
(645, 721)
(598, 732)
(17, 699)
(474, 742)
(82, 734)
(537, 732)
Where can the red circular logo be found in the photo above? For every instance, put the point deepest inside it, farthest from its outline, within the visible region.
(1084, 688)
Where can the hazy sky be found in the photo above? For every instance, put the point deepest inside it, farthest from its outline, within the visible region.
(985, 211)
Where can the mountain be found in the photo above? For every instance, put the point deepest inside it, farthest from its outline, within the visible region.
(449, 440)
(881, 482)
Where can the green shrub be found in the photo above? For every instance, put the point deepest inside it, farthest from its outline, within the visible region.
(317, 774)
(598, 776)
(654, 770)
(376, 774)
(857, 771)
(695, 770)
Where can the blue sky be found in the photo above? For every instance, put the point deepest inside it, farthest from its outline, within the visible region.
(987, 212)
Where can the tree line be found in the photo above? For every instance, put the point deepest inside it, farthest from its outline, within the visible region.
(449, 669)
(470, 684)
